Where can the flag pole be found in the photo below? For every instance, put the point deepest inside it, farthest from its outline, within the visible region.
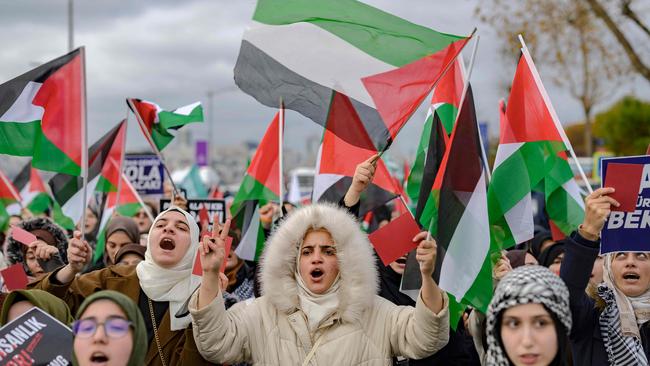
(154, 147)
(280, 148)
(84, 147)
(554, 117)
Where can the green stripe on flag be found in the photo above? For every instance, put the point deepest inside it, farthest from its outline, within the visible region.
(377, 33)
(40, 203)
(18, 138)
(251, 189)
(103, 185)
(169, 119)
(49, 157)
(414, 181)
(447, 113)
(129, 209)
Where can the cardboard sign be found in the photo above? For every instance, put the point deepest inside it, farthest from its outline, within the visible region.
(395, 239)
(146, 173)
(15, 277)
(194, 207)
(628, 226)
(35, 338)
(22, 236)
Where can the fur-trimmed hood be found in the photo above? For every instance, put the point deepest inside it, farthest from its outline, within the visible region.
(359, 279)
(15, 249)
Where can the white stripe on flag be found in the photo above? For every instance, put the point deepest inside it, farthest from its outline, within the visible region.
(520, 219)
(248, 243)
(571, 187)
(469, 245)
(322, 182)
(72, 208)
(318, 55)
(504, 151)
(23, 110)
(185, 111)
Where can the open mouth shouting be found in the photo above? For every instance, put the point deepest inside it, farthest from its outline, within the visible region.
(631, 277)
(167, 244)
(316, 274)
(99, 358)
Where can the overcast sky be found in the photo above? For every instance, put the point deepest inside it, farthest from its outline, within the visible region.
(174, 52)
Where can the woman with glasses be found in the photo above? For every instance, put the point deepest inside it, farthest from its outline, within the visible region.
(160, 285)
(110, 331)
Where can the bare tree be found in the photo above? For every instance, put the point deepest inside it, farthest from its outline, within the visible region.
(564, 36)
(625, 7)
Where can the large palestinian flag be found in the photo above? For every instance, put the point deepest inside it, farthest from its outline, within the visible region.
(463, 264)
(260, 185)
(300, 51)
(158, 125)
(346, 144)
(8, 195)
(42, 114)
(33, 192)
(531, 156)
(67, 189)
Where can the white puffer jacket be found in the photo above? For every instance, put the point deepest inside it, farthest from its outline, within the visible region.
(272, 330)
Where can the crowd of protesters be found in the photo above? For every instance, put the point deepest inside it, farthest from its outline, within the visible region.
(319, 294)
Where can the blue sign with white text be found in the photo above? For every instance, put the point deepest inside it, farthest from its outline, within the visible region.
(146, 173)
(627, 228)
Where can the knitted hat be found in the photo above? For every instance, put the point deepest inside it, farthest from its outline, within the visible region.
(525, 285)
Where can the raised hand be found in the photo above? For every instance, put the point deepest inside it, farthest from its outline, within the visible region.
(79, 253)
(426, 253)
(213, 249)
(363, 175)
(598, 206)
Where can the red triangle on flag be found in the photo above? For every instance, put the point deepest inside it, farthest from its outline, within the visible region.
(265, 166)
(398, 93)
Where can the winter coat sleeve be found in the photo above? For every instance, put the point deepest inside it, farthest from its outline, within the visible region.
(220, 335)
(417, 332)
(579, 257)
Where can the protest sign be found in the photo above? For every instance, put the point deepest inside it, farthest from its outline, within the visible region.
(145, 172)
(35, 338)
(628, 226)
(194, 207)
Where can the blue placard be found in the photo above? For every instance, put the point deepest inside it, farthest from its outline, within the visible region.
(146, 173)
(629, 231)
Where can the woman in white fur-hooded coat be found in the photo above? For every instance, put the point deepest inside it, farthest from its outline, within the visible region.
(346, 325)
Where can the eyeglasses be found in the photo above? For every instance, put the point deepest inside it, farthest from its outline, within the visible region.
(114, 327)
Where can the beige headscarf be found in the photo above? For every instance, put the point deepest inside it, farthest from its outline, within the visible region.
(634, 311)
(316, 307)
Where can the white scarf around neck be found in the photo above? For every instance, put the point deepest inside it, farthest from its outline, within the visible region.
(317, 307)
(175, 284)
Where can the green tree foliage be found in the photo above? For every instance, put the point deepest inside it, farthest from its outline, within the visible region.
(625, 127)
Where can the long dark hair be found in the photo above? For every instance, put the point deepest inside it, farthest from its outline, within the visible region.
(561, 357)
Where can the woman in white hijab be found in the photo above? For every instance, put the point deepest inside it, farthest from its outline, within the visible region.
(159, 285)
(319, 303)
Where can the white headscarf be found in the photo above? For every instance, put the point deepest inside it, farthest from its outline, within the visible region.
(634, 311)
(174, 284)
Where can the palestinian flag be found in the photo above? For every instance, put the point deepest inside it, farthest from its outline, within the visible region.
(158, 125)
(193, 184)
(531, 156)
(125, 202)
(42, 114)
(260, 185)
(33, 192)
(301, 51)
(109, 178)
(463, 266)
(67, 189)
(8, 195)
(444, 107)
(338, 159)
